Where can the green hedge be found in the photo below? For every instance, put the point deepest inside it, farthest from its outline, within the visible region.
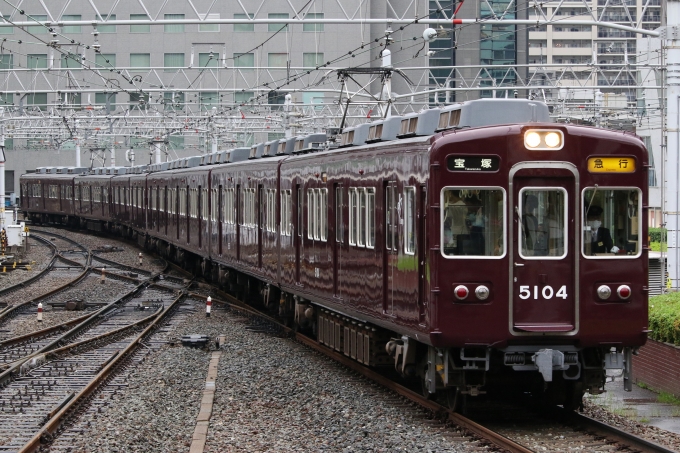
(664, 318)
(657, 235)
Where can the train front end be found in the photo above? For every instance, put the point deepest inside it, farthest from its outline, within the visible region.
(538, 258)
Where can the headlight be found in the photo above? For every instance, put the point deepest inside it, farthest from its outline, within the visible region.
(532, 139)
(543, 140)
(552, 139)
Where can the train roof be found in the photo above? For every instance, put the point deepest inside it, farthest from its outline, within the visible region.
(470, 114)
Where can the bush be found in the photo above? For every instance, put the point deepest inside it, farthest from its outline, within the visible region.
(656, 246)
(664, 318)
(657, 235)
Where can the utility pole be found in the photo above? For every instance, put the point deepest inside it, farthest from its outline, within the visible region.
(2, 175)
(670, 42)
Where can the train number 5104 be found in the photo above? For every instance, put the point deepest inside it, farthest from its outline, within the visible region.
(547, 292)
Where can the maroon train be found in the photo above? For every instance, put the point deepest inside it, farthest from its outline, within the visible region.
(468, 246)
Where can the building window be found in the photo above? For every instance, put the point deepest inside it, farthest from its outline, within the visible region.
(277, 60)
(244, 27)
(71, 61)
(71, 28)
(138, 100)
(70, 99)
(37, 100)
(173, 61)
(6, 30)
(142, 28)
(277, 27)
(209, 27)
(101, 98)
(140, 62)
(107, 28)
(37, 29)
(6, 61)
(173, 28)
(243, 97)
(208, 60)
(176, 142)
(312, 60)
(313, 27)
(244, 60)
(37, 61)
(105, 60)
(173, 100)
(209, 99)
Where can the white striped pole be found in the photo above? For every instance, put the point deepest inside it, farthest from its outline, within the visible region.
(208, 306)
(39, 311)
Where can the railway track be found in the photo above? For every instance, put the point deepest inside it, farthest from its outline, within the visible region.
(45, 389)
(574, 430)
(554, 430)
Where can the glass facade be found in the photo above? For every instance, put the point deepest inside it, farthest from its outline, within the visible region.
(444, 54)
(498, 44)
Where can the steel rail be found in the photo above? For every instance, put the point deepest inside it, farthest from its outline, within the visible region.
(41, 333)
(28, 281)
(52, 425)
(634, 442)
(15, 309)
(96, 257)
(498, 440)
(14, 367)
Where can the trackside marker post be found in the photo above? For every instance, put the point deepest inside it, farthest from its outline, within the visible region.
(39, 311)
(208, 306)
(140, 258)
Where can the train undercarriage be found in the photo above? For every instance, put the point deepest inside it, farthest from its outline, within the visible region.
(558, 374)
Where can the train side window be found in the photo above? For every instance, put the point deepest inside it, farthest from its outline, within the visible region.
(240, 214)
(285, 214)
(339, 225)
(353, 220)
(370, 218)
(323, 214)
(362, 218)
(205, 212)
(472, 222)
(390, 218)
(214, 205)
(299, 211)
(310, 214)
(410, 220)
(611, 226)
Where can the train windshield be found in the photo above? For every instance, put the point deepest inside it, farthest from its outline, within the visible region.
(472, 222)
(544, 222)
(611, 222)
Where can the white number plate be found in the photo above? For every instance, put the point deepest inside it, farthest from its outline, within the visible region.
(546, 292)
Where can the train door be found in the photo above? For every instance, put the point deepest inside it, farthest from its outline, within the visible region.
(544, 253)
(421, 251)
(338, 210)
(391, 245)
(298, 230)
(261, 221)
